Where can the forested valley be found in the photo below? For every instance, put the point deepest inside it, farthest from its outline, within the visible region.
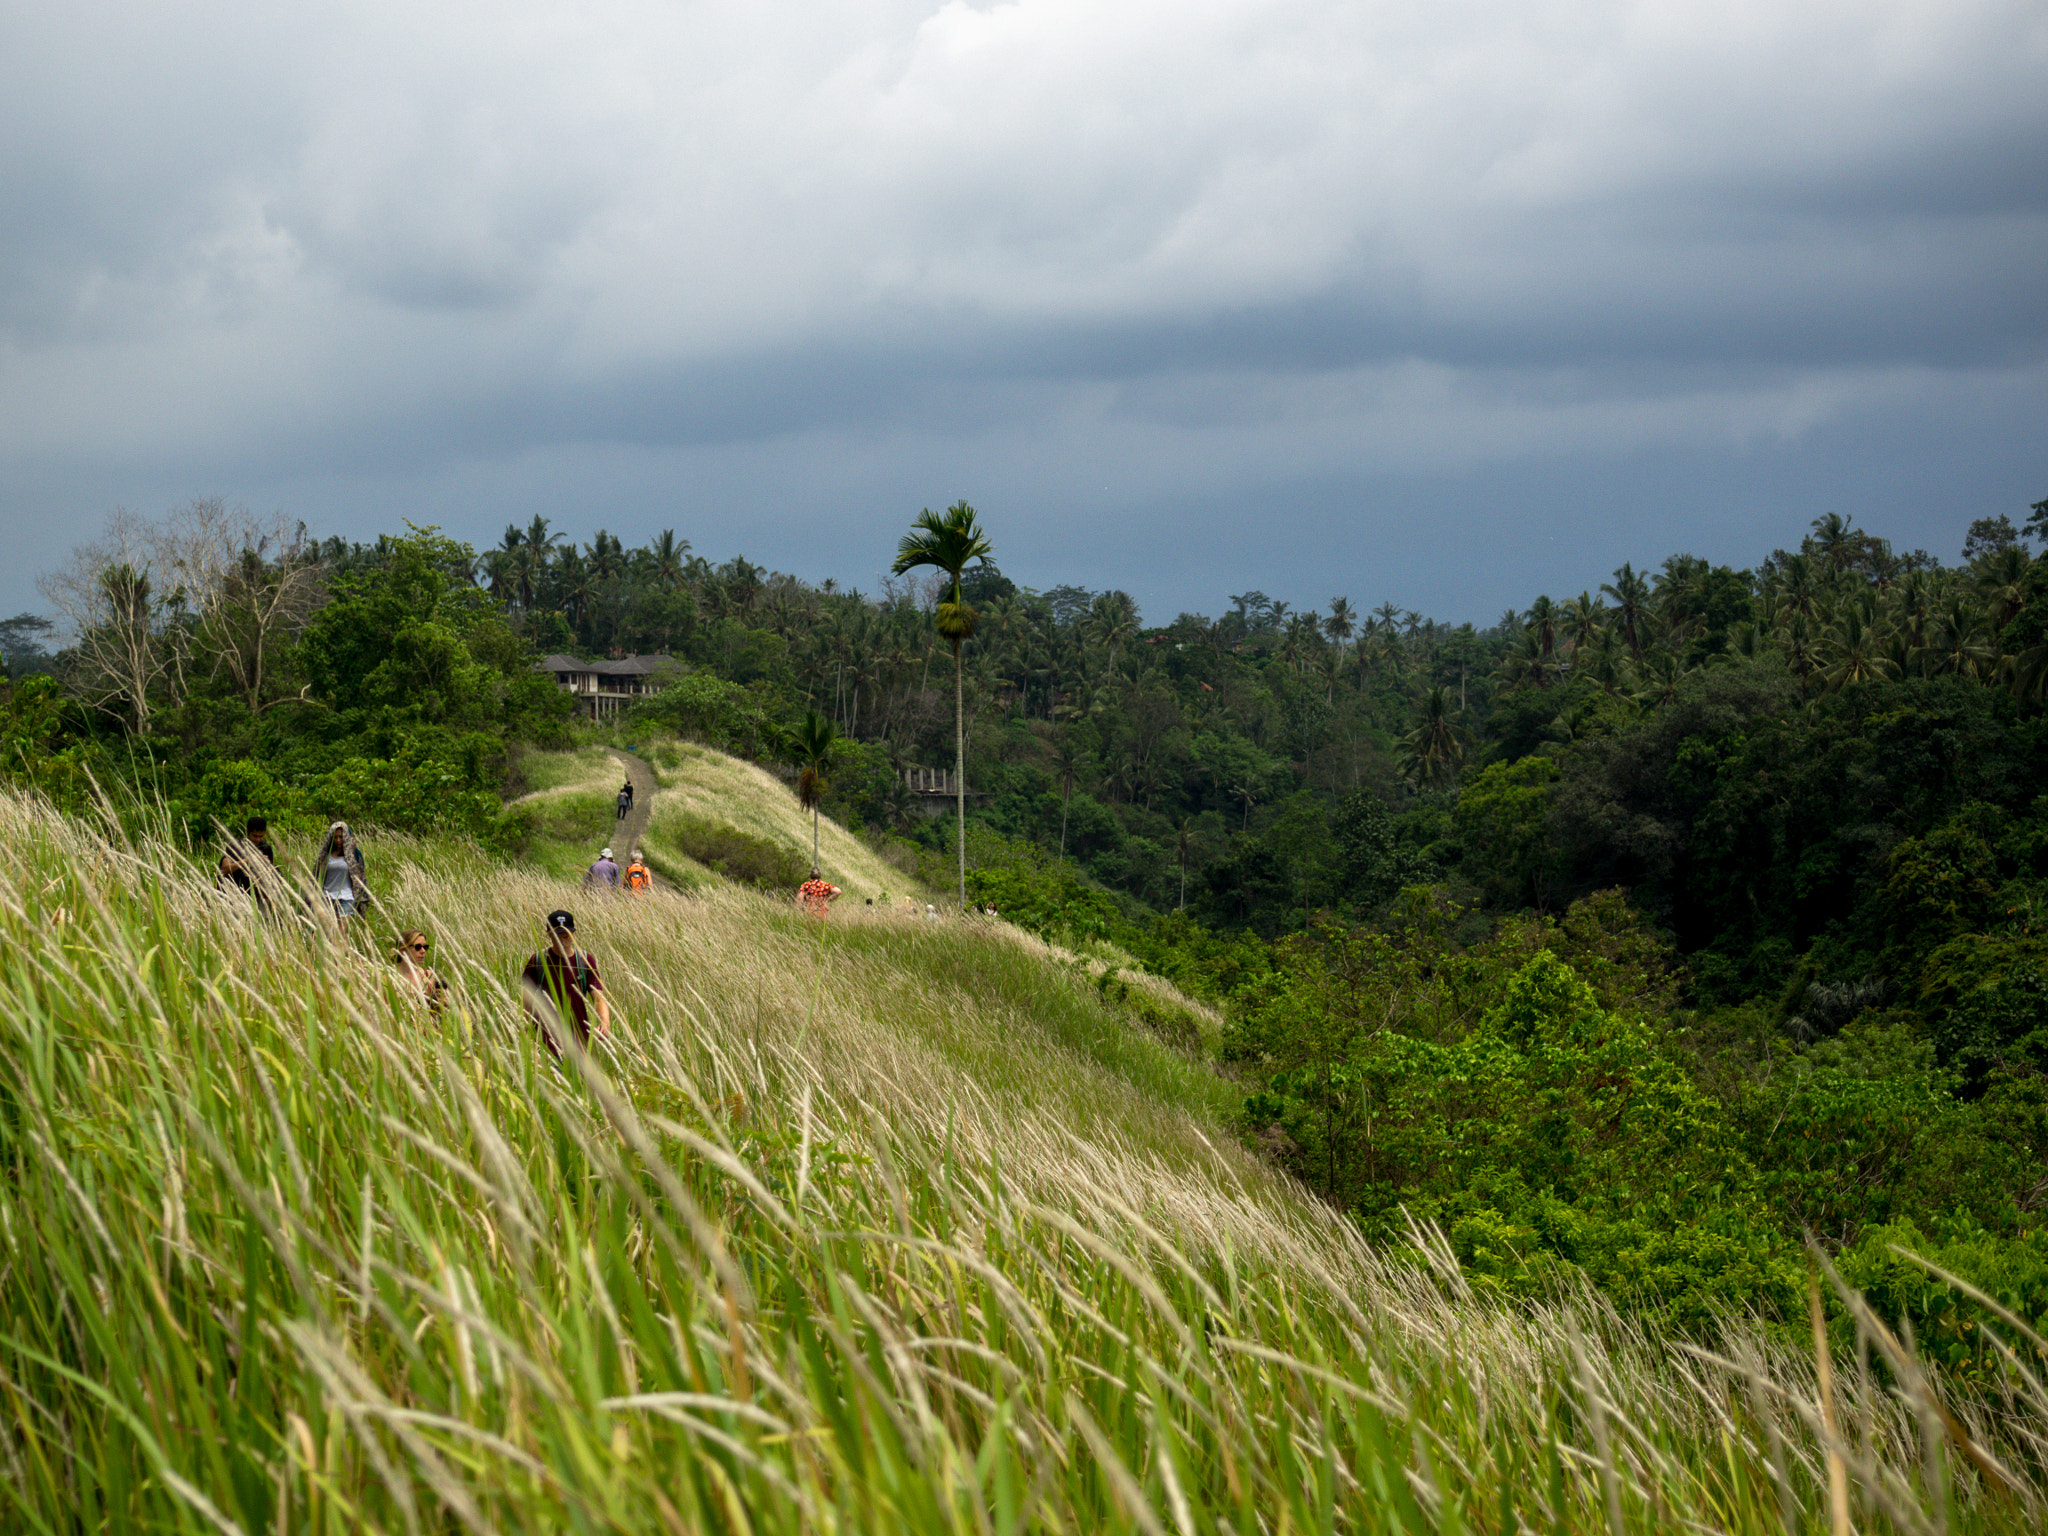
(1640, 935)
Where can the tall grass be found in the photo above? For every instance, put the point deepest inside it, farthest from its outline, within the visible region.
(873, 1225)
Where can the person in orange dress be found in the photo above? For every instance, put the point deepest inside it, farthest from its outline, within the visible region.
(815, 895)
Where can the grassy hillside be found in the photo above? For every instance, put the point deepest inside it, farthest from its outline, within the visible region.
(860, 1226)
(707, 806)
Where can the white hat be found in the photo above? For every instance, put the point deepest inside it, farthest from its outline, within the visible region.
(604, 853)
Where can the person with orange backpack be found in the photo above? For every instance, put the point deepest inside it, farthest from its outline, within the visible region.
(638, 879)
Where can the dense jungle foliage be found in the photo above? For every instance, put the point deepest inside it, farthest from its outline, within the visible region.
(1642, 932)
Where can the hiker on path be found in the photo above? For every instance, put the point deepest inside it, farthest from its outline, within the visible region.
(339, 873)
(603, 875)
(639, 880)
(625, 799)
(561, 982)
(418, 975)
(816, 895)
(240, 866)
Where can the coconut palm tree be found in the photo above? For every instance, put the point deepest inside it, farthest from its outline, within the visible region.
(664, 560)
(1432, 752)
(1543, 621)
(607, 556)
(948, 542)
(1963, 645)
(1631, 596)
(810, 749)
(1342, 623)
(499, 573)
(2001, 577)
(2030, 674)
(578, 586)
(1066, 762)
(1530, 666)
(1186, 840)
(1836, 538)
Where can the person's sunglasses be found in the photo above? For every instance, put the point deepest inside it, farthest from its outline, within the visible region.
(418, 948)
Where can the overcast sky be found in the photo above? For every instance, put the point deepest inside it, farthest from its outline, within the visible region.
(1443, 302)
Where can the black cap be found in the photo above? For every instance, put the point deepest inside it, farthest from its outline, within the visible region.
(562, 920)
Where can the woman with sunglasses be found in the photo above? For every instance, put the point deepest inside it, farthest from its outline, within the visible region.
(419, 976)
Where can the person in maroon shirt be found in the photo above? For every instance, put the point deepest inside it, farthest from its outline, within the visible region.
(567, 978)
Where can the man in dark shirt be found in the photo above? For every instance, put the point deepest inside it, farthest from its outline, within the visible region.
(238, 864)
(561, 982)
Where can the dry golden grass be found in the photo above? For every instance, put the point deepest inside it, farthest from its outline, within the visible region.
(700, 783)
(858, 1225)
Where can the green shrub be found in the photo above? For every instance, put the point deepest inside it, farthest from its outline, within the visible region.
(738, 856)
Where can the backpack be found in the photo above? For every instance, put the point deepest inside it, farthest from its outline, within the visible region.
(637, 878)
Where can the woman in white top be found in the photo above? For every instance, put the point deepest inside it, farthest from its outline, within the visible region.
(339, 872)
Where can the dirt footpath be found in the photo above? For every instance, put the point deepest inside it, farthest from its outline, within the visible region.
(626, 836)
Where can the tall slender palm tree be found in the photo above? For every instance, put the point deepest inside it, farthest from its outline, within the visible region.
(667, 555)
(1543, 622)
(948, 541)
(810, 749)
(1836, 538)
(1186, 840)
(1631, 596)
(1342, 623)
(1066, 763)
(578, 586)
(1584, 619)
(499, 573)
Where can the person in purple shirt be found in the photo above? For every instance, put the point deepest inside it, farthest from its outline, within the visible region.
(605, 872)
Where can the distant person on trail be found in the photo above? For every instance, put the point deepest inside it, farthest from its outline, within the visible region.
(625, 799)
(561, 983)
(815, 895)
(604, 874)
(239, 866)
(638, 878)
(339, 873)
(419, 976)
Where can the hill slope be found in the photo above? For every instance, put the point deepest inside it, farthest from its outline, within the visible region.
(699, 794)
(868, 1225)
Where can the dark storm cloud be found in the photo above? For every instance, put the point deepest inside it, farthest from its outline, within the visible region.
(1156, 263)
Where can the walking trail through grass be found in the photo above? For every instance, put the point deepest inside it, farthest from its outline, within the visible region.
(856, 1226)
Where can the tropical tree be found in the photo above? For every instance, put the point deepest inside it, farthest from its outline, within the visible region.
(1432, 753)
(665, 559)
(811, 744)
(1836, 538)
(1066, 762)
(1342, 623)
(2001, 576)
(949, 541)
(500, 574)
(1584, 621)
(1544, 618)
(1186, 840)
(1631, 594)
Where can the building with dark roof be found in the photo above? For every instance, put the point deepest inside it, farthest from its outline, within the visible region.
(603, 688)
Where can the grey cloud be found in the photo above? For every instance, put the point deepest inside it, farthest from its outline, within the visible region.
(384, 244)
